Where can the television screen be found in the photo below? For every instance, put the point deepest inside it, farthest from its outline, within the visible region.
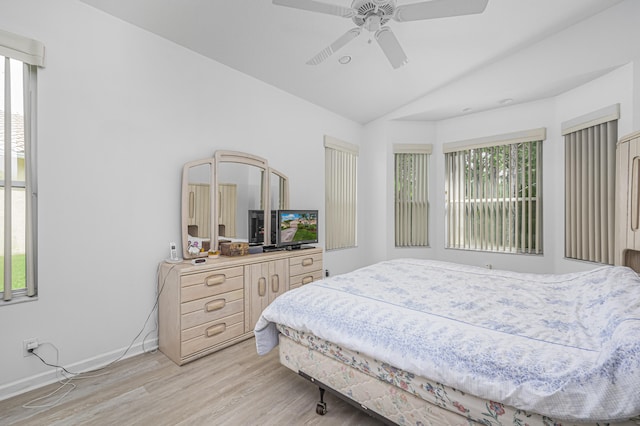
(297, 227)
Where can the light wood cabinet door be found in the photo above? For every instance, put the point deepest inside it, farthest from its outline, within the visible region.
(263, 282)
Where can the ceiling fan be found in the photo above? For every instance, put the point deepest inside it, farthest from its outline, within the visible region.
(372, 15)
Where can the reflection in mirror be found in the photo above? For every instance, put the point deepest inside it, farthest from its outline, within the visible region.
(223, 195)
(239, 191)
(278, 194)
(196, 207)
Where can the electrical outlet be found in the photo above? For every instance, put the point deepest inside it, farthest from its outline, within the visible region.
(326, 272)
(29, 344)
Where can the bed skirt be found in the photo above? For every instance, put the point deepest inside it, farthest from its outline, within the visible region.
(396, 395)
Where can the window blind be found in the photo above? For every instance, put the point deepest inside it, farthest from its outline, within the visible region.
(411, 195)
(341, 163)
(590, 144)
(493, 193)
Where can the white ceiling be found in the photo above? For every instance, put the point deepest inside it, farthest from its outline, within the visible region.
(455, 63)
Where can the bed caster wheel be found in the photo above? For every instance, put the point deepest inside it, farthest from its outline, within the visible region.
(321, 408)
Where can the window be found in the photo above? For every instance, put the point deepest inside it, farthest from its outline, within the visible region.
(590, 155)
(341, 171)
(411, 195)
(494, 193)
(19, 59)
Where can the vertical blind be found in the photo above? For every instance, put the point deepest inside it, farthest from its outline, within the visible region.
(493, 190)
(411, 191)
(341, 164)
(590, 186)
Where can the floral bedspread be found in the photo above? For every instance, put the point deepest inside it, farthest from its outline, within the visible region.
(566, 346)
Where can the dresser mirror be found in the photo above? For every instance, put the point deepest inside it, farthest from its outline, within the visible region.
(197, 196)
(220, 194)
(240, 189)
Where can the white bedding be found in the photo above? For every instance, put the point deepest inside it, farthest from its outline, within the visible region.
(566, 346)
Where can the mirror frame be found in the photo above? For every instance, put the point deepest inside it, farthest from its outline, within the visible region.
(284, 198)
(230, 157)
(185, 202)
(250, 160)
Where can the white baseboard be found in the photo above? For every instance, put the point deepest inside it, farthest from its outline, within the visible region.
(39, 380)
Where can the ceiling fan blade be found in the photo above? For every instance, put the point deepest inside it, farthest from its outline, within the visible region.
(438, 9)
(316, 6)
(335, 46)
(391, 47)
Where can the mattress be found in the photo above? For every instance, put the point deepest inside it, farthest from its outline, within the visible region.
(399, 396)
(565, 346)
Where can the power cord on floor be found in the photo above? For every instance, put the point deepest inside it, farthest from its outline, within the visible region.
(64, 381)
(68, 380)
(33, 352)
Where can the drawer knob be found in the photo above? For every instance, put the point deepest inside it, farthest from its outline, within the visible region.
(215, 305)
(307, 262)
(275, 283)
(216, 329)
(262, 286)
(307, 280)
(215, 279)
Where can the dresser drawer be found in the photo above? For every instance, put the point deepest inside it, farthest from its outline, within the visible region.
(209, 309)
(210, 334)
(302, 279)
(305, 264)
(196, 286)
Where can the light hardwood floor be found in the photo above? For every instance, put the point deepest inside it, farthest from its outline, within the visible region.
(234, 386)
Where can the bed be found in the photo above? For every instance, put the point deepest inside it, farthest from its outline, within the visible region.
(426, 342)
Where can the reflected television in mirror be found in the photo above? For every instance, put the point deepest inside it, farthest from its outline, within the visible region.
(256, 227)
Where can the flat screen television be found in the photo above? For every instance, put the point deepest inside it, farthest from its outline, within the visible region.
(256, 227)
(296, 228)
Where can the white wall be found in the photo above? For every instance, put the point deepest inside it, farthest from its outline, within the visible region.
(120, 112)
(614, 87)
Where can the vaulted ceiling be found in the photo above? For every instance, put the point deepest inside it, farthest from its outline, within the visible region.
(456, 64)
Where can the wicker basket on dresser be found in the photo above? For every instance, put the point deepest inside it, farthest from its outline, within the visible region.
(205, 308)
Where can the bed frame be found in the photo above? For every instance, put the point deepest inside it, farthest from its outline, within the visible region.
(321, 407)
(394, 405)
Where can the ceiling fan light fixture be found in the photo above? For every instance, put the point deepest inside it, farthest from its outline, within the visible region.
(372, 15)
(373, 23)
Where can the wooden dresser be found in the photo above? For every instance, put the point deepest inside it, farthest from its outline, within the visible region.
(208, 307)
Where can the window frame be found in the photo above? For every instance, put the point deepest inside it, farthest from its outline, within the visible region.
(496, 234)
(30, 53)
(341, 194)
(589, 185)
(406, 235)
